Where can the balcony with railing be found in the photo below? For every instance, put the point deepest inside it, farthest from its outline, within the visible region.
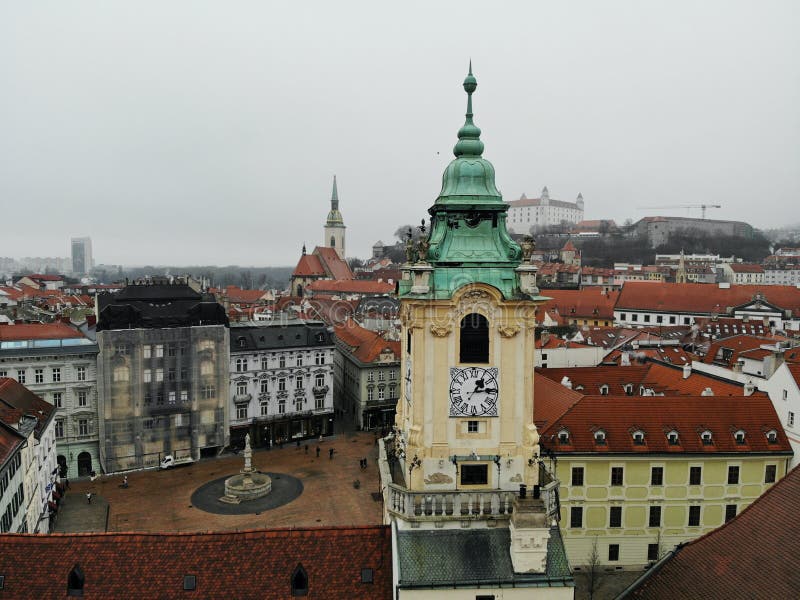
(455, 505)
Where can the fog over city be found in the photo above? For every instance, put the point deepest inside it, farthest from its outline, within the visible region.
(209, 132)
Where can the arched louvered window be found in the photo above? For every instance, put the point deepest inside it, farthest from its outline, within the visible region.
(474, 339)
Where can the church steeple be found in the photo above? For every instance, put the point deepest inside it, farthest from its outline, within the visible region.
(468, 230)
(334, 225)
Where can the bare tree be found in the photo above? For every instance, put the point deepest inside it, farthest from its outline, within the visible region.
(593, 567)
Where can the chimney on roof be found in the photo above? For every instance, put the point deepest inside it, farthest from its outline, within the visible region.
(738, 366)
(749, 388)
(565, 381)
(687, 370)
(707, 392)
(625, 359)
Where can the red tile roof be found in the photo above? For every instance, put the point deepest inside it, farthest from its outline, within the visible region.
(569, 247)
(41, 277)
(701, 297)
(17, 400)
(336, 267)
(620, 416)
(309, 265)
(752, 556)
(745, 268)
(587, 303)
(550, 401)
(736, 344)
(661, 378)
(10, 441)
(38, 331)
(351, 286)
(364, 344)
(246, 564)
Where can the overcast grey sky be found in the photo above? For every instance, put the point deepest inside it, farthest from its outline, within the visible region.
(209, 132)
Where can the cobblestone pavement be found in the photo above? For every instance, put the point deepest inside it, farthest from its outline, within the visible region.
(161, 500)
(76, 514)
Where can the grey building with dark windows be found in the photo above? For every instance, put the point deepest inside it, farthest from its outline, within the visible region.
(281, 381)
(162, 375)
(58, 362)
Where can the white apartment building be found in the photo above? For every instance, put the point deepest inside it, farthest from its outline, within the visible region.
(281, 381)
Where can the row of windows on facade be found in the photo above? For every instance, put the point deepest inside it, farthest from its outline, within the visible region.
(121, 373)
(157, 350)
(673, 437)
(657, 475)
(84, 428)
(243, 408)
(243, 363)
(39, 375)
(17, 500)
(299, 384)
(81, 397)
(654, 515)
(8, 476)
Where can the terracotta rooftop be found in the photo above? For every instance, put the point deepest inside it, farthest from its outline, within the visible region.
(38, 331)
(754, 555)
(16, 399)
(702, 298)
(661, 378)
(309, 265)
(550, 401)
(351, 286)
(745, 268)
(10, 441)
(655, 416)
(338, 563)
(734, 345)
(587, 303)
(364, 344)
(337, 268)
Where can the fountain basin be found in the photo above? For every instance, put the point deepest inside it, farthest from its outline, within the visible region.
(246, 486)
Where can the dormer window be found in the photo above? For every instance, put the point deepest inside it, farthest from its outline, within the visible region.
(772, 436)
(75, 581)
(241, 342)
(628, 387)
(739, 436)
(706, 438)
(600, 437)
(604, 390)
(638, 437)
(672, 438)
(563, 437)
(299, 581)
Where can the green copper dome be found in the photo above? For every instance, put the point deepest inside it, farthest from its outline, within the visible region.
(468, 240)
(470, 177)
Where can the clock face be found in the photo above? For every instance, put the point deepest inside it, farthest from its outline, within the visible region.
(473, 392)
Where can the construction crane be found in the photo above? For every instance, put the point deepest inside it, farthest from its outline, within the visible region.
(702, 207)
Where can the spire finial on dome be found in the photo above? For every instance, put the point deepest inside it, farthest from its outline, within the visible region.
(469, 136)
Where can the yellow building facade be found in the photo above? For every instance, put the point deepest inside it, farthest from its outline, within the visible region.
(692, 498)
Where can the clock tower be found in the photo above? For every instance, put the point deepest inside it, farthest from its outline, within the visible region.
(467, 302)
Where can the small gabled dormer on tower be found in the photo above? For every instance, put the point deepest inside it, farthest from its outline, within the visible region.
(334, 226)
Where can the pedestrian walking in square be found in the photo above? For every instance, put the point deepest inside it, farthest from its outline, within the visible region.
(317, 451)
(330, 454)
